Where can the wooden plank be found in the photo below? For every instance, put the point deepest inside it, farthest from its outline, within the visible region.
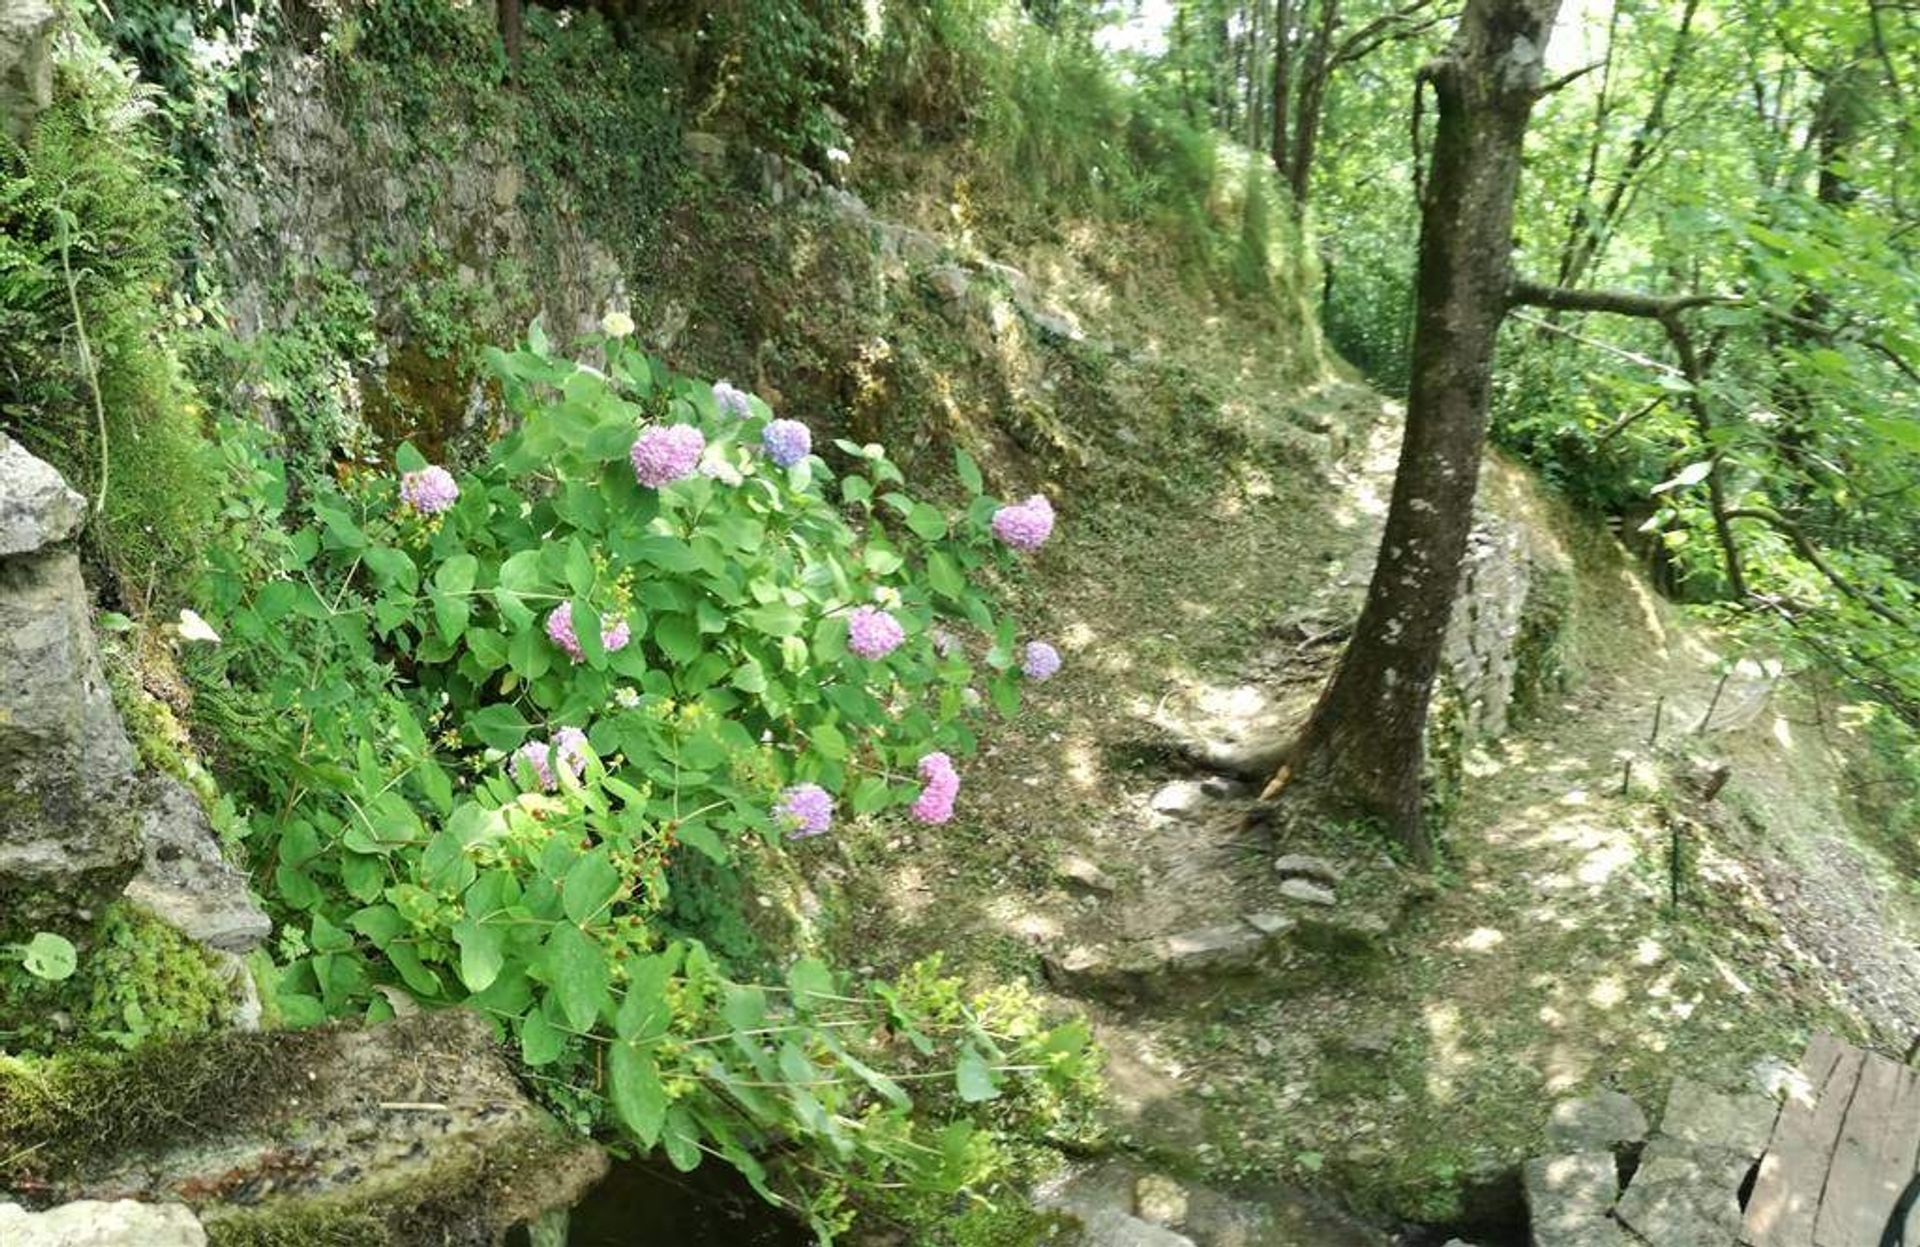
(1786, 1195)
(1874, 1159)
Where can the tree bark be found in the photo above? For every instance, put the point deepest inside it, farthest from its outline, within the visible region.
(1282, 84)
(1364, 748)
(1313, 97)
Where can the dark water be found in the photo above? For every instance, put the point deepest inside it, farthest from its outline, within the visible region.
(645, 1205)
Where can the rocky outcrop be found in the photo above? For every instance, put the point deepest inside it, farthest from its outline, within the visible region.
(412, 1132)
(99, 1223)
(26, 65)
(69, 838)
(78, 824)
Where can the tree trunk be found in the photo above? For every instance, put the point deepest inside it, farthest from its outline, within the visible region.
(1313, 98)
(512, 30)
(1282, 84)
(1364, 748)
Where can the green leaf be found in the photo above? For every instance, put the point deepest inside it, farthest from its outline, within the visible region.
(481, 953)
(944, 575)
(49, 956)
(639, 1099)
(682, 1140)
(968, 470)
(974, 1079)
(776, 620)
(1692, 474)
(590, 884)
(645, 1012)
(828, 742)
(678, 638)
(927, 522)
(499, 726)
(810, 981)
(541, 1042)
(576, 969)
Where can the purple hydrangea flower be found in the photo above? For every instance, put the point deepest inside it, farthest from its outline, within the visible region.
(1025, 525)
(807, 809)
(664, 453)
(731, 400)
(429, 491)
(787, 442)
(872, 633)
(561, 632)
(529, 763)
(1039, 661)
(941, 783)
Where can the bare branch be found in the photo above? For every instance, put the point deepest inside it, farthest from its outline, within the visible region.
(1568, 79)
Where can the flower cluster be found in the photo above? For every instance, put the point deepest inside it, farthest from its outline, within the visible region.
(616, 324)
(529, 763)
(731, 400)
(1025, 525)
(873, 633)
(665, 453)
(787, 442)
(429, 491)
(934, 805)
(560, 631)
(1039, 661)
(806, 810)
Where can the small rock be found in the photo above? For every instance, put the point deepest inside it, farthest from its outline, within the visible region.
(1075, 869)
(950, 282)
(506, 186)
(1373, 1041)
(1177, 797)
(1697, 1114)
(1302, 866)
(1306, 891)
(37, 508)
(705, 148)
(1269, 924)
(1220, 788)
(1160, 1200)
(1230, 944)
(1602, 1121)
(100, 1223)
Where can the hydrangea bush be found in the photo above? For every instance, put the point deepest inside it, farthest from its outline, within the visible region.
(495, 706)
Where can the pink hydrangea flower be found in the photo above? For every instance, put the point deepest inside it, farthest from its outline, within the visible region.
(613, 637)
(941, 784)
(665, 453)
(805, 809)
(873, 633)
(429, 491)
(731, 400)
(1025, 525)
(530, 764)
(1039, 661)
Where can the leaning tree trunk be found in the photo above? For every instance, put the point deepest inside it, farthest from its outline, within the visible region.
(1364, 747)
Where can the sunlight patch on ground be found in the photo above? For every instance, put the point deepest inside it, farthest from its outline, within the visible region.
(1481, 940)
(1607, 992)
(1447, 1059)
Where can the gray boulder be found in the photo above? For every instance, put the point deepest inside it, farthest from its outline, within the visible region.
(101, 1223)
(26, 69)
(185, 882)
(69, 838)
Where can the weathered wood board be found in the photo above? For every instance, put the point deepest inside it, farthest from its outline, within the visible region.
(1841, 1153)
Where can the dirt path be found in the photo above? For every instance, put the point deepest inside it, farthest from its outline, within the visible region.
(1398, 1047)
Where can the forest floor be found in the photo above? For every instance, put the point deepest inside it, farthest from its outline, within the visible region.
(1405, 1064)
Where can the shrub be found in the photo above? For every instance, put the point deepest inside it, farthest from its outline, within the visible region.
(87, 227)
(487, 718)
